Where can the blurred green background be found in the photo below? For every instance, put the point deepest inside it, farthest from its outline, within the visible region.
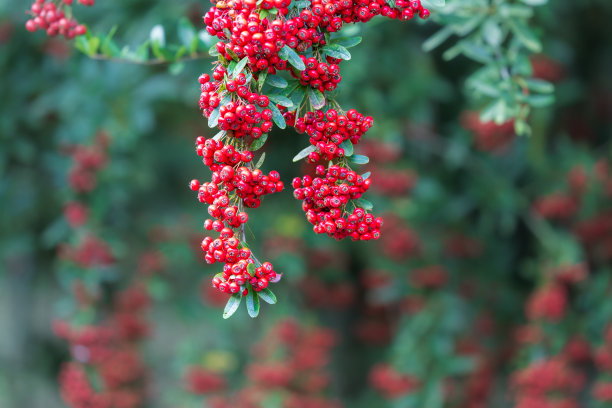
(476, 218)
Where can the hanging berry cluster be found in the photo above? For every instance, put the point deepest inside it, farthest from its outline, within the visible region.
(55, 17)
(245, 96)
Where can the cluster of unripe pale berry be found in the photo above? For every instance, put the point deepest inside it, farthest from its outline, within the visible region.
(257, 39)
(325, 201)
(55, 19)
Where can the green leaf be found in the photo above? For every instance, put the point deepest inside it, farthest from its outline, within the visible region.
(304, 153)
(492, 33)
(176, 68)
(109, 47)
(213, 120)
(252, 302)
(212, 51)
(526, 36)
(261, 159)
(336, 51)
(186, 32)
(158, 36)
(232, 305)
(276, 81)
(297, 96)
(232, 54)
(261, 80)
(347, 42)
(219, 135)
(317, 99)
(277, 117)
(288, 54)
(359, 159)
(348, 148)
(93, 44)
(258, 143)
(365, 204)
(366, 175)
(268, 296)
(438, 38)
(280, 100)
(539, 85)
(240, 66)
(251, 269)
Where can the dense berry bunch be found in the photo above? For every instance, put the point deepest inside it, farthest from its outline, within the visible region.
(325, 202)
(231, 187)
(327, 131)
(257, 40)
(319, 75)
(56, 19)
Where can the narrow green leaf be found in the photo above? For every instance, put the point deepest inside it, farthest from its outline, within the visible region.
(186, 32)
(258, 143)
(317, 99)
(288, 54)
(261, 159)
(213, 120)
(276, 81)
(261, 80)
(232, 305)
(359, 159)
(277, 116)
(365, 204)
(252, 302)
(336, 51)
(268, 296)
(347, 42)
(281, 100)
(240, 66)
(304, 153)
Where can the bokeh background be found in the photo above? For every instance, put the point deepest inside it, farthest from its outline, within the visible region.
(490, 285)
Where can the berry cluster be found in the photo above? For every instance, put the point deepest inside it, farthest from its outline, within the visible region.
(319, 75)
(109, 350)
(392, 384)
(55, 19)
(258, 38)
(289, 365)
(328, 130)
(325, 200)
(231, 187)
(602, 390)
(243, 30)
(241, 117)
(546, 383)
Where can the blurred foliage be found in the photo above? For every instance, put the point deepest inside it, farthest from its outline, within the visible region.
(454, 299)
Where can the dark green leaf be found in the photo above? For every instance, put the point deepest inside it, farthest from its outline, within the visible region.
(261, 159)
(232, 305)
(317, 99)
(365, 204)
(277, 116)
(347, 42)
(251, 269)
(280, 100)
(288, 54)
(252, 302)
(276, 81)
(336, 51)
(259, 142)
(268, 296)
